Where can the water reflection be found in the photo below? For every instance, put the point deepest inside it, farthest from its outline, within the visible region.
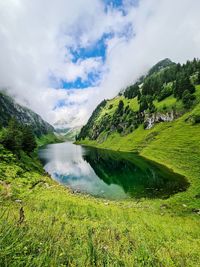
(112, 175)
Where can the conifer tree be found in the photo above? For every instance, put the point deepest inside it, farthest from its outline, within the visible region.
(28, 139)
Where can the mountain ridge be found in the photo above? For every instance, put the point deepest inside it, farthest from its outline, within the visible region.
(164, 95)
(9, 109)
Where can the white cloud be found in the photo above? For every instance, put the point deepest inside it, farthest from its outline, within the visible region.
(162, 29)
(35, 36)
(79, 69)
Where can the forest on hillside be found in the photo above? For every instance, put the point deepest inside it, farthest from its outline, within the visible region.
(163, 80)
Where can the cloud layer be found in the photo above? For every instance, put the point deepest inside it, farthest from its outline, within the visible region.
(37, 38)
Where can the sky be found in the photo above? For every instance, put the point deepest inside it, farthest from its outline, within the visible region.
(61, 58)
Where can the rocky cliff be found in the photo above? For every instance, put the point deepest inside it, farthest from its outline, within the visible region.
(152, 119)
(10, 109)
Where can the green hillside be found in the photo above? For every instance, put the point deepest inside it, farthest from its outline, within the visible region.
(10, 109)
(164, 94)
(133, 141)
(174, 143)
(45, 224)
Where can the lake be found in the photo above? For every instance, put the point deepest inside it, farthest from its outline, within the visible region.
(108, 174)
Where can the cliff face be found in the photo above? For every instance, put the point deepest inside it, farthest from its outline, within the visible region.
(151, 120)
(10, 109)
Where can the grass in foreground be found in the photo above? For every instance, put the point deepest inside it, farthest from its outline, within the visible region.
(63, 229)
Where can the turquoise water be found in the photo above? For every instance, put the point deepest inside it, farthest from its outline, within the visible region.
(108, 174)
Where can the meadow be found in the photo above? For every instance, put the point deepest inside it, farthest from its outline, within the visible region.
(45, 224)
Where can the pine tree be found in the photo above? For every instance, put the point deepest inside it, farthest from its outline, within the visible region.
(28, 140)
(120, 107)
(12, 137)
(187, 99)
(187, 85)
(183, 83)
(198, 78)
(143, 104)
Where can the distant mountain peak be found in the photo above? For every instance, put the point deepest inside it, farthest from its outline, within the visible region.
(162, 64)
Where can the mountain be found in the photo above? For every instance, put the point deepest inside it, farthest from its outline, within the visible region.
(64, 124)
(64, 131)
(71, 134)
(165, 94)
(68, 134)
(165, 63)
(10, 109)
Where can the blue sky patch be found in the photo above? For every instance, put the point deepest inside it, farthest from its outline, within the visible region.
(98, 49)
(113, 3)
(119, 4)
(92, 80)
(63, 103)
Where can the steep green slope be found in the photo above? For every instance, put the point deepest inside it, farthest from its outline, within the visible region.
(46, 139)
(10, 109)
(164, 94)
(163, 107)
(174, 142)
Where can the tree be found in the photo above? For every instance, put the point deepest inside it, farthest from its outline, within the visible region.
(152, 107)
(198, 77)
(119, 129)
(28, 140)
(16, 138)
(12, 137)
(127, 110)
(150, 104)
(183, 83)
(165, 92)
(139, 95)
(180, 84)
(132, 91)
(143, 104)
(187, 85)
(120, 107)
(178, 68)
(187, 99)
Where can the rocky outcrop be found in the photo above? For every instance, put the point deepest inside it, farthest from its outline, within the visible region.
(10, 109)
(152, 119)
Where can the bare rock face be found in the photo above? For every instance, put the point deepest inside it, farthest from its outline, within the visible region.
(152, 119)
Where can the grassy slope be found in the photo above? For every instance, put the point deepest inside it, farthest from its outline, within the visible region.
(63, 229)
(175, 144)
(48, 139)
(166, 104)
